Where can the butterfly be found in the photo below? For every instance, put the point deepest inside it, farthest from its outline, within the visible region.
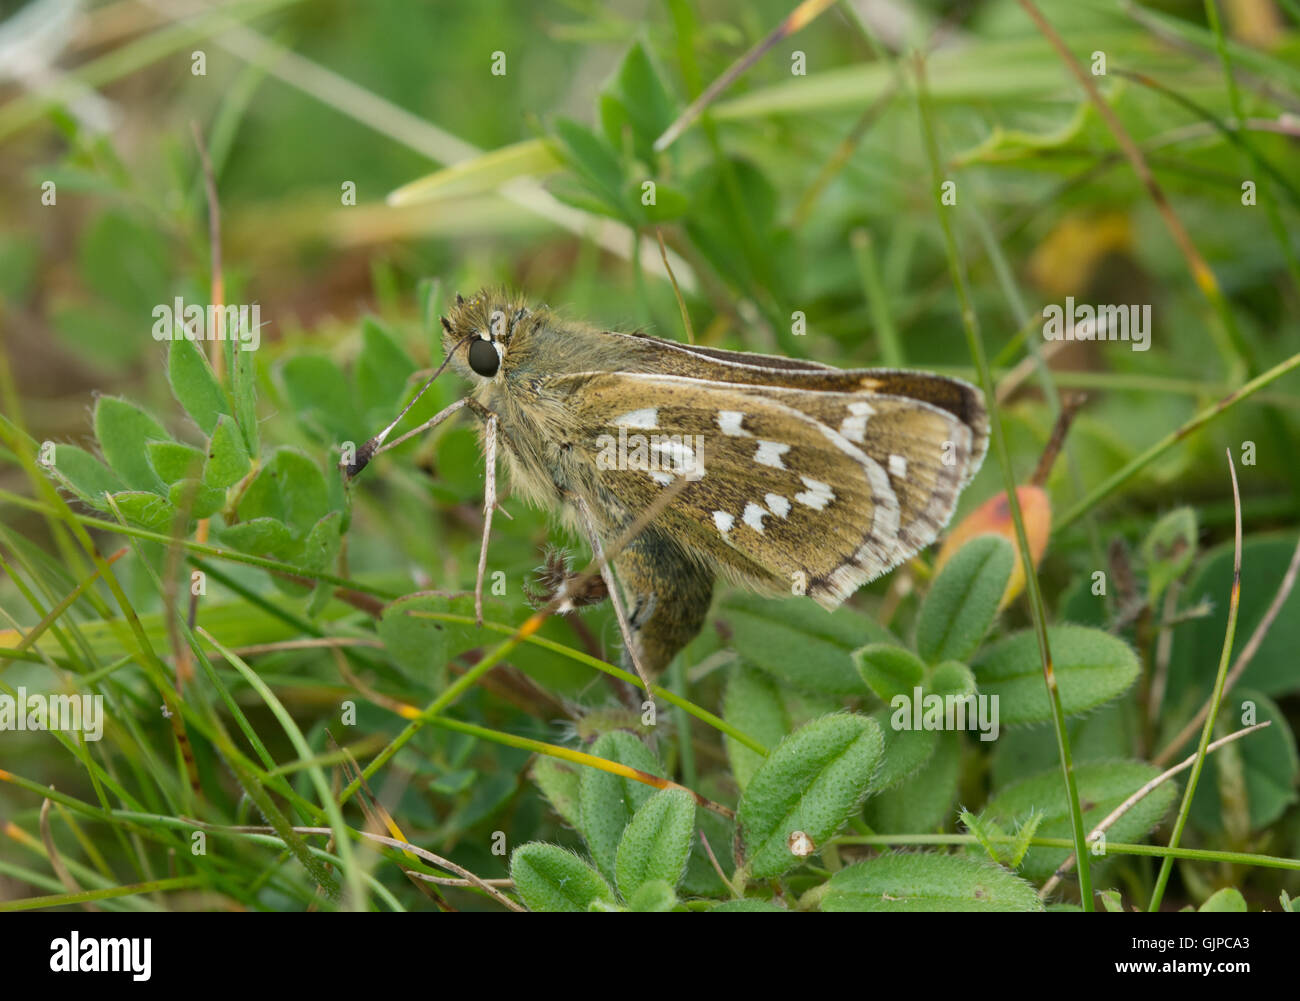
(683, 465)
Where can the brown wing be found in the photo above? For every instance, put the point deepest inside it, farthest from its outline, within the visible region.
(824, 489)
(962, 400)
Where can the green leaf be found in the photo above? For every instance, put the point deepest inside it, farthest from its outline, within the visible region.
(1101, 735)
(669, 203)
(322, 543)
(712, 202)
(1112, 901)
(986, 832)
(635, 98)
(1024, 835)
(196, 498)
(383, 368)
(732, 214)
(123, 429)
(607, 802)
(907, 746)
(127, 262)
(928, 882)
(147, 510)
(921, 801)
(656, 842)
(244, 383)
(268, 536)
(1225, 901)
(1195, 657)
(480, 175)
(227, 455)
(749, 905)
(753, 705)
(550, 878)
(910, 739)
(321, 399)
(1260, 769)
(77, 470)
(1092, 667)
(812, 782)
(889, 669)
(1168, 550)
(702, 879)
(195, 385)
(1102, 785)
(422, 647)
(655, 896)
(951, 678)
(173, 461)
(20, 257)
(559, 784)
(992, 837)
(595, 163)
(799, 642)
(93, 333)
(573, 191)
(963, 600)
(289, 487)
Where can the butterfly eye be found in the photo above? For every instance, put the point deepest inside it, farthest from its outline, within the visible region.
(483, 358)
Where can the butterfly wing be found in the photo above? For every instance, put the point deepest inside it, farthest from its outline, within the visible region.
(786, 486)
(654, 355)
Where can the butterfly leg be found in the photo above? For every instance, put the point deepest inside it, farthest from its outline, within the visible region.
(376, 444)
(669, 595)
(606, 573)
(489, 505)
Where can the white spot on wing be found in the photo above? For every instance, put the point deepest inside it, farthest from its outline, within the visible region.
(753, 516)
(678, 454)
(730, 423)
(897, 467)
(778, 505)
(646, 417)
(769, 453)
(854, 427)
(817, 496)
(724, 521)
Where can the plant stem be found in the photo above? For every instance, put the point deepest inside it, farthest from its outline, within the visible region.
(1225, 656)
(1172, 439)
(971, 324)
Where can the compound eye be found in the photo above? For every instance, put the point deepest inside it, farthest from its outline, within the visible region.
(483, 358)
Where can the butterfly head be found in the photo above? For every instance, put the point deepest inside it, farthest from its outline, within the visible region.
(485, 333)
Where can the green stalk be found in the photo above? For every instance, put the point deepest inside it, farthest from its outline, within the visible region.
(1172, 439)
(891, 350)
(198, 548)
(700, 713)
(1112, 848)
(970, 323)
(1225, 658)
(343, 844)
(86, 896)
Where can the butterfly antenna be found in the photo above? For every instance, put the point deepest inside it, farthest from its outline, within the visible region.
(368, 451)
